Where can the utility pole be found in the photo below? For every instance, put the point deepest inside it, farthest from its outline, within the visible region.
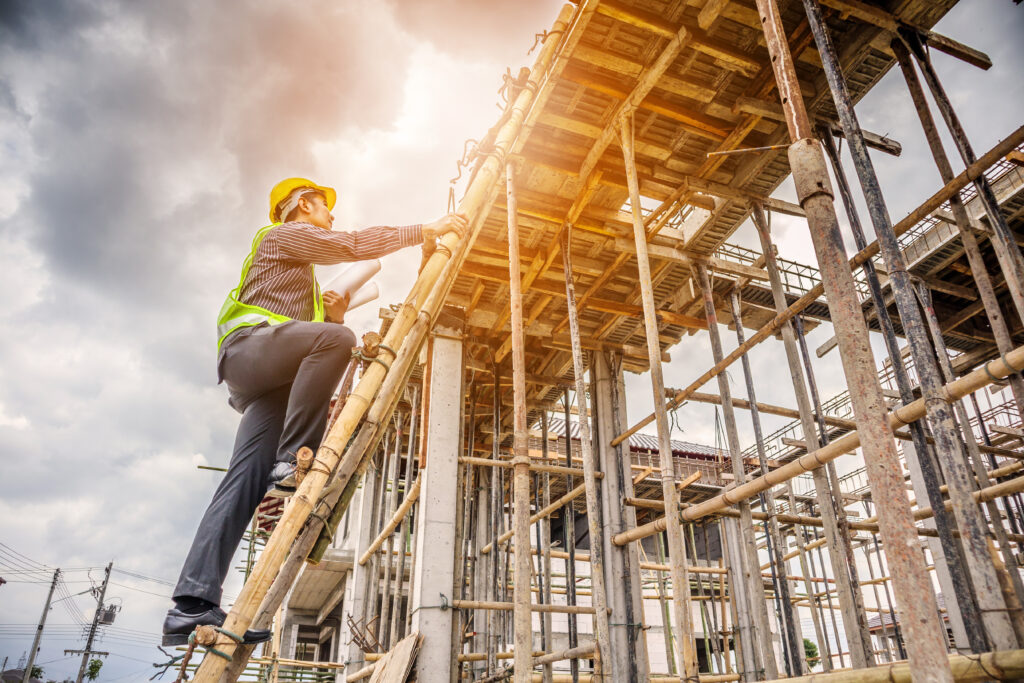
(39, 629)
(95, 622)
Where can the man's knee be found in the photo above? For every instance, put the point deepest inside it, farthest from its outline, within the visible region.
(337, 336)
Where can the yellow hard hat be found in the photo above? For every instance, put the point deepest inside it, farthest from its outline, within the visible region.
(289, 185)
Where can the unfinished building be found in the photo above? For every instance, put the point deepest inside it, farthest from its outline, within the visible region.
(481, 497)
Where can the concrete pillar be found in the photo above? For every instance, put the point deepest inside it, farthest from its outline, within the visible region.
(628, 660)
(356, 582)
(435, 520)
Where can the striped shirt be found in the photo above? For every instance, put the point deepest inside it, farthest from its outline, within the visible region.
(280, 279)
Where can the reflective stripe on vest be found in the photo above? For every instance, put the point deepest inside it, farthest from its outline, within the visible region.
(235, 314)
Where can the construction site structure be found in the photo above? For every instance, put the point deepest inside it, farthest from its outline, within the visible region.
(482, 510)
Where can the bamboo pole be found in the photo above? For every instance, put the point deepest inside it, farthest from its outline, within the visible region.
(521, 442)
(330, 452)
(396, 518)
(591, 490)
(685, 652)
(510, 606)
(541, 514)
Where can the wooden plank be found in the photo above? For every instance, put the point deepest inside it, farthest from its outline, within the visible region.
(948, 288)
(395, 666)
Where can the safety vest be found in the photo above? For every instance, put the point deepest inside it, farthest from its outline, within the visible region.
(235, 314)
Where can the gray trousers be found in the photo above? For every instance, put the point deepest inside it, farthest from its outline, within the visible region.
(280, 379)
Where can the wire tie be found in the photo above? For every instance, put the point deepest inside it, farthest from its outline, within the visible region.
(233, 636)
(388, 349)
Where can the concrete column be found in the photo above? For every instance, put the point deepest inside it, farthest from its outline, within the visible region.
(628, 660)
(356, 583)
(435, 521)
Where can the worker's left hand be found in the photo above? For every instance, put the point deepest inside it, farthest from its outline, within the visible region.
(335, 306)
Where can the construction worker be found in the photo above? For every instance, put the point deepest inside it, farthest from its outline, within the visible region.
(281, 350)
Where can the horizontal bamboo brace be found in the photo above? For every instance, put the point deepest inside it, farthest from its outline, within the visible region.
(534, 467)
(396, 519)
(847, 443)
(870, 524)
(651, 566)
(508, 606)
(975, 170)
(702, 397)
(578, 652)
(1000, 666)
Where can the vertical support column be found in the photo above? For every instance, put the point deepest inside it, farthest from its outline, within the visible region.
(435, 522)
(948, 448)
(597, 583)
(752, 609)
(793, 638)
(523, 621)
(926, 638)
(622, 563)
(685, 652)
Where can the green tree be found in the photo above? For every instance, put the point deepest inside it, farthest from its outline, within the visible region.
(811, 653)
(37, 672)
(93, 672)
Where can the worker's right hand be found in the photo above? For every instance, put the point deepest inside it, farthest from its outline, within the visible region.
(453, 222)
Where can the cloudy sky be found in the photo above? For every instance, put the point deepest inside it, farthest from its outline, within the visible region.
(139, 144)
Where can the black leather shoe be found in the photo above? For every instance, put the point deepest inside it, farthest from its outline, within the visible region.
(282, 480)
(178, 626)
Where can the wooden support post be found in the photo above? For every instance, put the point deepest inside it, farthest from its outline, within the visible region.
(569, 536)
(520, 445)
(792, 637)
(748, 590)
(594, 519)
(926, 637)
(685, 652)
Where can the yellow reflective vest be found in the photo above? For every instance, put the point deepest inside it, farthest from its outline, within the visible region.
(235, 314)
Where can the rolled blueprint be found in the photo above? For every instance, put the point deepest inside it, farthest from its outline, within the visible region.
(350, 280)
(365, 295)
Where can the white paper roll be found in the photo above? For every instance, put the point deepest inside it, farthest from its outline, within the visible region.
(350, 280)
(365, 295)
